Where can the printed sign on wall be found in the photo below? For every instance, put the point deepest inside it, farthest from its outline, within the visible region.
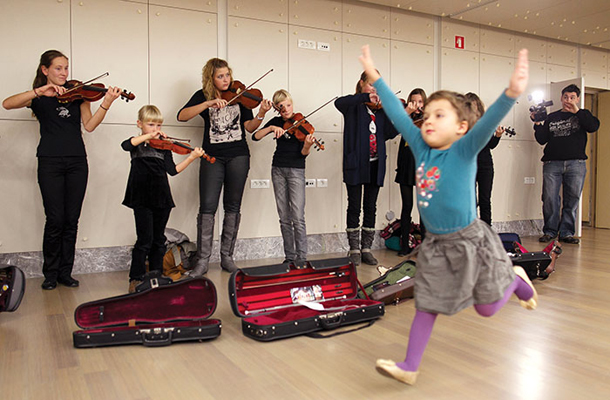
(459, 42)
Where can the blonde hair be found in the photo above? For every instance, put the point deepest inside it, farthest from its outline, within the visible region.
(207, 76)
(458, 102)
(280, 96)
(150, 113)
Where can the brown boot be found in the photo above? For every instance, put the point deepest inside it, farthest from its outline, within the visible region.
(230, 227)
(205, 237)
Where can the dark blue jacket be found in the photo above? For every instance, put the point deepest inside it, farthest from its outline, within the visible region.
(356, 144)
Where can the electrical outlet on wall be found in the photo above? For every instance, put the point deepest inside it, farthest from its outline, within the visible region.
(310, 183)
(529, 180)
(307, 44)
(322, 183)
(259, 184)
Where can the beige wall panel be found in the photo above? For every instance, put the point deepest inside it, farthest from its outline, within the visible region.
(22, 212)
(352, 69)
(324, 209)
(412, 66)
(112, 37)
(495, 73)
(187, 36)
(105, 221)
(315, 76)
(562, 54)
(199, 5)
(522, 122)
(366, 19)
(537, 47)
(498, 43)
(249, 63)
(556, 73)
(594, 60)
(323, 14)
(595, 79)
(411, 27)
(470, 33)
(511, 199)
(267, 10)
(18, 20)
(460, 70)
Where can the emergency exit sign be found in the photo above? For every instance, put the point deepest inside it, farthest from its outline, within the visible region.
(459, 42)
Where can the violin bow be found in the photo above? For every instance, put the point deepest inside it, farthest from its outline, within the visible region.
(249, 86)
(85, 83)
(311, 113)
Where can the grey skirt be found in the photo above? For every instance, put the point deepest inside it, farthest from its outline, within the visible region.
(459, 269)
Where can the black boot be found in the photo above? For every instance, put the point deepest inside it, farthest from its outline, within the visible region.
(205, 236)
(353, 238)
(368, 234)
(405, 248)
(230, 226)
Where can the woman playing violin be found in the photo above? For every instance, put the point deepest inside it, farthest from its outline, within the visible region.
(366, 128)
(62, 161)
(405, 170)
(288, 176)
(223, 138)
(148, 192)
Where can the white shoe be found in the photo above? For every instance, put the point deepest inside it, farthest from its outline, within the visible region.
(532, 303)
(390, 369)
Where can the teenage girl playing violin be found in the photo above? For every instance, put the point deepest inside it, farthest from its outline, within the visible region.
(288, 176)
(62, 160)
(148, 192)
(224, 138)
(366, 129)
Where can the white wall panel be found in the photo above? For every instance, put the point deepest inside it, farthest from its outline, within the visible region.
(323, 14)
(494, 76)
(352, 69)
(412, 66)
(411, 27)
(25, 39)
(460, 70)
(121, 30)
(315, 76)
(537, 48)
(188, 36)
(594, 60)
(562, 54)
(498, 43)
(199, 5)
(556, 73)
(267, 10)
(595, 79)
(470, 33)
(366, 19)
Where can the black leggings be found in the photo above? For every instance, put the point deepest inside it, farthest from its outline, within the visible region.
(150, 230)
(230, 173)
(62, 182)
(485, 178)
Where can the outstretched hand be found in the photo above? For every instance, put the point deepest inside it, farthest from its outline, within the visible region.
(518, 81)
(368, 65)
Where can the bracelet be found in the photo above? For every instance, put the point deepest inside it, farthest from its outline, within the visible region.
(103, 108)
(260, 118)
(35, 94)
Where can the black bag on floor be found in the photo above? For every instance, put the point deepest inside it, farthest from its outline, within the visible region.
(533, 263)
(12, 287)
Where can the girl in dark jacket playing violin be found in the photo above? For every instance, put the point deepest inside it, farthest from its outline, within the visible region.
(148, 192)
(62, 160)
(366, 128)
(288, 176)
(223, 138)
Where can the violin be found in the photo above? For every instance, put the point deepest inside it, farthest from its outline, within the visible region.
(509, 131)
(176, 147)
(77, 90)
(299, 127)
(246, 96)
(418, 117)
(377, 106)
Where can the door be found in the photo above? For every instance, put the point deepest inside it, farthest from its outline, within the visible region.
(602, 198)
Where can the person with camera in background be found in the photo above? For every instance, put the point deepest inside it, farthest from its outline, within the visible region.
(564, 134)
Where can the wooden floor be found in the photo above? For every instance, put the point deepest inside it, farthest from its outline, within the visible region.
(560, 351)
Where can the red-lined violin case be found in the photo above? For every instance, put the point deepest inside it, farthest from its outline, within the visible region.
(157, 317)
(267, 299)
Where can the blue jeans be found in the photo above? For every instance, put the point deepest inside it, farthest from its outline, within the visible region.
(570, 174)
(289, 189)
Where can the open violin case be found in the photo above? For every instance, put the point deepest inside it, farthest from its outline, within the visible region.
(286, 300)
(12, 287)
(156, 317)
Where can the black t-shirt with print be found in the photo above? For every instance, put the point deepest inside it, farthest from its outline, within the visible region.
(224, 134)
(288, 149)
(60, 132)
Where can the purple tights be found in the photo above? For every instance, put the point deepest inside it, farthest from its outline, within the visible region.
(422, 325)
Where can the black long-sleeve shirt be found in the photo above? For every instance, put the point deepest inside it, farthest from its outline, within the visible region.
(565, 135)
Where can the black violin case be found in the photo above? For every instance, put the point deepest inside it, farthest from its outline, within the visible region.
(267, 299)
(156, 317)
(12, 287)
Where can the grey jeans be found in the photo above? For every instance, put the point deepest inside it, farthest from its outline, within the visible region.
(289, 188)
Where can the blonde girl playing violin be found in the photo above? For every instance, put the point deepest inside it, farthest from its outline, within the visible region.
(288, 177)
(148, 192)
(462, 262)
(224, 137)
(62, 160)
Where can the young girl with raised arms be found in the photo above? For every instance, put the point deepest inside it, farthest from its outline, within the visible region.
(148, 192)
(288, 177)
(462, 261)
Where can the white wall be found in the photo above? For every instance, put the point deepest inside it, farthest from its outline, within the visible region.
(157, 48)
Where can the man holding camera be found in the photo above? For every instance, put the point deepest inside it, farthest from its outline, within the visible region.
(564, 133)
